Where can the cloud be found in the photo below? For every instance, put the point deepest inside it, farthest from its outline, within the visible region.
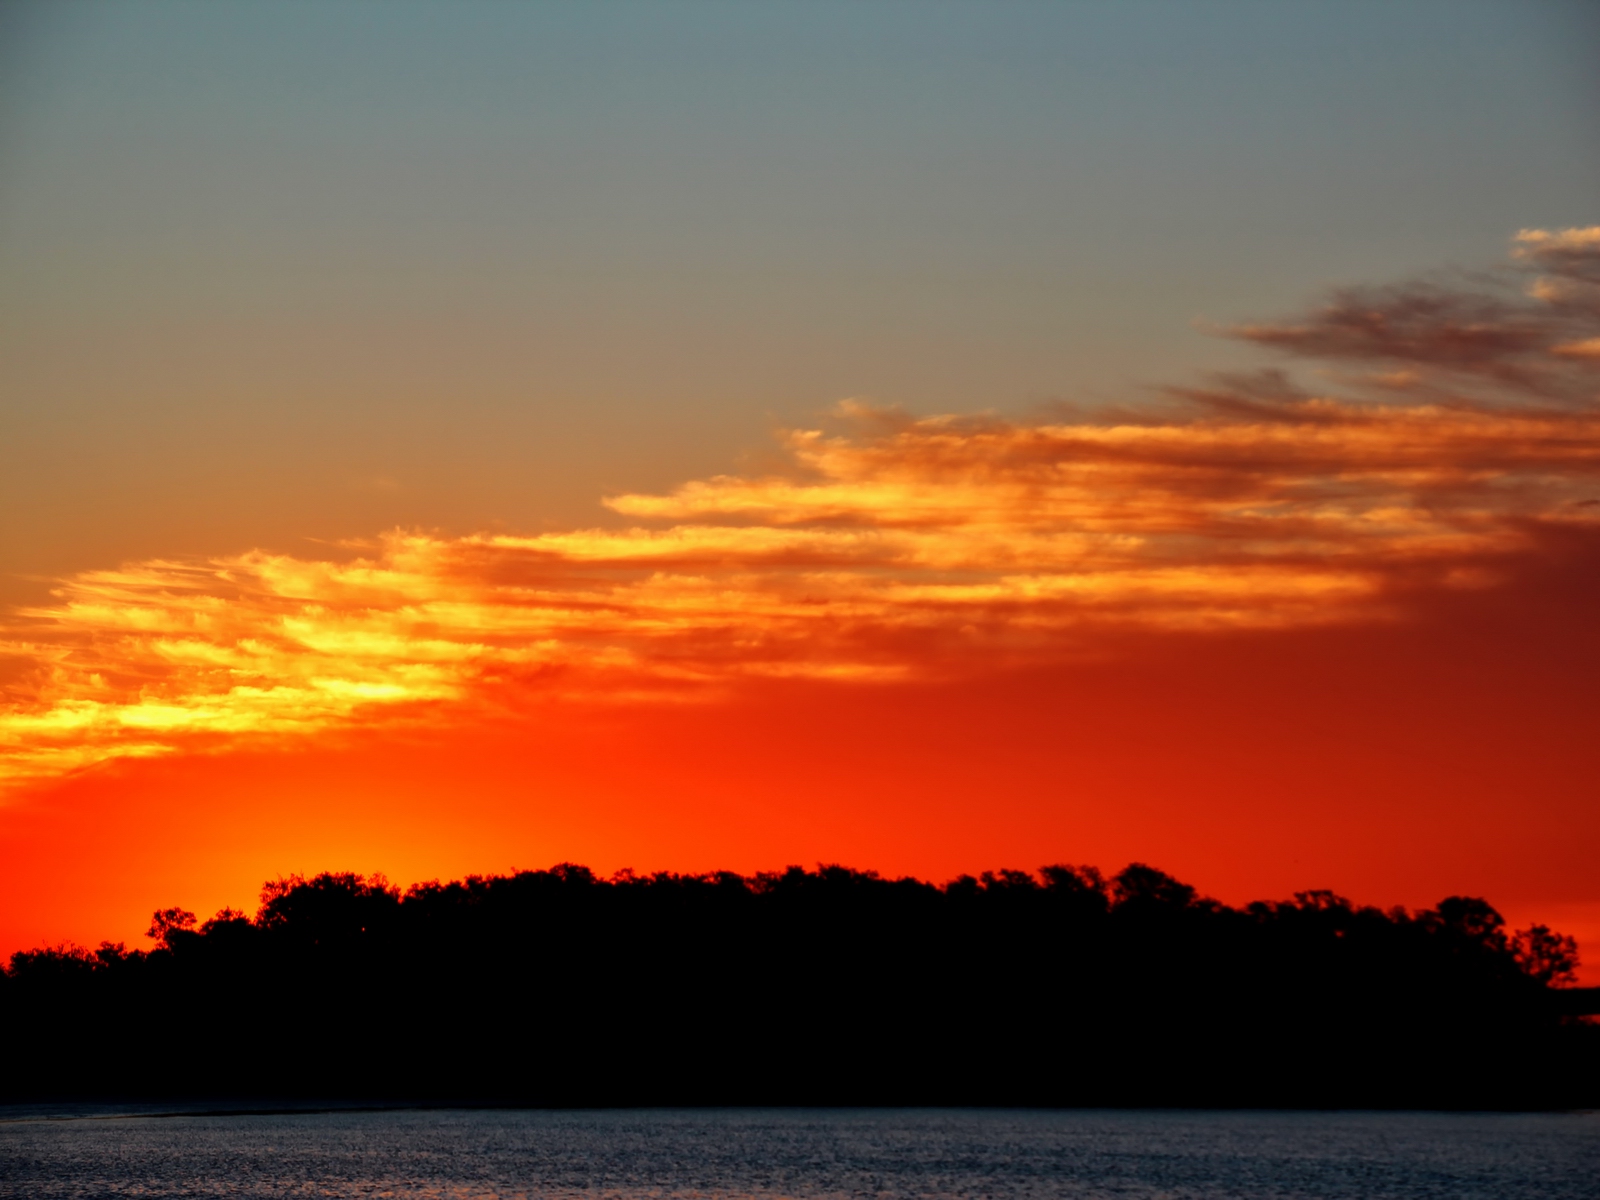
(892, 548)
(1572, 254)
(1520, 333)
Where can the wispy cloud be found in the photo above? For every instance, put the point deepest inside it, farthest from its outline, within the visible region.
(1513, 335)
(893, 547)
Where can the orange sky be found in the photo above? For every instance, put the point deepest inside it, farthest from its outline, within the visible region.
(1394, 763)
(1268, 634)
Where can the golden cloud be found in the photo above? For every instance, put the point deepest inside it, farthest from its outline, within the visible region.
(897, 548)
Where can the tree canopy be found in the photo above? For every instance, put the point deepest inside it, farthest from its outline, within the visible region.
(822, 986)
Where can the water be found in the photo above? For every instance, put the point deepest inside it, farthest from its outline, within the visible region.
(468, 1155)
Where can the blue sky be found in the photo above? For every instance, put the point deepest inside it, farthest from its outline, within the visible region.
(271, 271)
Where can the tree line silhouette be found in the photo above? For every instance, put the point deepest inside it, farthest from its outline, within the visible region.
(831, 986)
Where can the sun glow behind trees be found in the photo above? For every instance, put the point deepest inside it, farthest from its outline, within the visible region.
(1262, 626)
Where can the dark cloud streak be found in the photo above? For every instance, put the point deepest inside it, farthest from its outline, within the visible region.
(1523, 334)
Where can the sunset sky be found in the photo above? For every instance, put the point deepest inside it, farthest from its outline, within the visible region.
(445, 438)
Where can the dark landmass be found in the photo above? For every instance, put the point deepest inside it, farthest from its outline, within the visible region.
(825, 987)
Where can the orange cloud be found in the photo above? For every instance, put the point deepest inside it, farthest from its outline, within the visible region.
(899, 549)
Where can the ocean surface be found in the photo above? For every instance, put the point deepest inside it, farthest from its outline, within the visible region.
(469, 1154)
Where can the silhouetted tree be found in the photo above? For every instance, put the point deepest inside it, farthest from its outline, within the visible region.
(824, 986)
(1545, 956)
(168, 921)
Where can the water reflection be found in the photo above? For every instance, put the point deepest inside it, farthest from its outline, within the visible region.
(709, 1155)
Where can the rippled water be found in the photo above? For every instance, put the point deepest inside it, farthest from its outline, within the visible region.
(799, 1153)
